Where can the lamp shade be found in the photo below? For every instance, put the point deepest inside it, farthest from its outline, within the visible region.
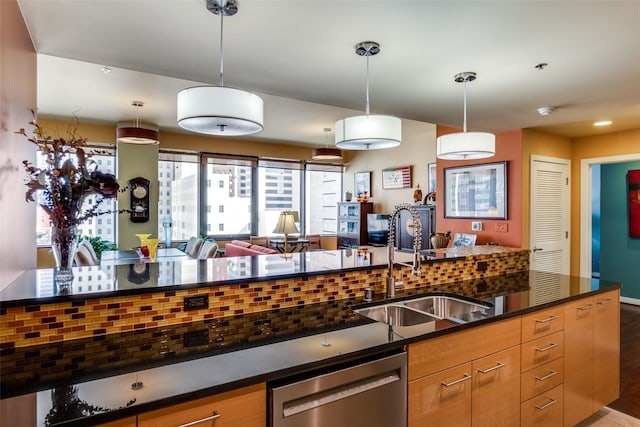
(137, 135)
(286, 223)
(220, 110)
(466, 146)
(326, 153)
(368, 132)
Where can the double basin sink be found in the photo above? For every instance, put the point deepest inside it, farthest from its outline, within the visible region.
(427, 309)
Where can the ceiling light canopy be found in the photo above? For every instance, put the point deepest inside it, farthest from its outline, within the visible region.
(137, 135)
(220, 110)
(370, 131)
(326, 153)
(466, 145)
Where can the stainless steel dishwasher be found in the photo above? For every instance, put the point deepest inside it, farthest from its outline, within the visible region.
(371, 394)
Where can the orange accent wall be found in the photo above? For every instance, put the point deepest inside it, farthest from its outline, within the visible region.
(508, 148)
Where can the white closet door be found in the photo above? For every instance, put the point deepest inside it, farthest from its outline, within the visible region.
(550, 214)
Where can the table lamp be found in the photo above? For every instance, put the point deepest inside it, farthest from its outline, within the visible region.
(287, 225)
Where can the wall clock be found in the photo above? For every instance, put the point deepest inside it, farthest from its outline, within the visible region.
(139, 195)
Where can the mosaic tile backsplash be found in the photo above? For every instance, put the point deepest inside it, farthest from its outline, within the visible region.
(40, 324)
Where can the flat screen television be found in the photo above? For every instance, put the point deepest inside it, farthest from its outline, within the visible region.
(378, 229)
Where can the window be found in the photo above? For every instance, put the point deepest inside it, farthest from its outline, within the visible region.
(323, 185)
(106, 163)
(229, 172)
(279, 189)
(180, 178)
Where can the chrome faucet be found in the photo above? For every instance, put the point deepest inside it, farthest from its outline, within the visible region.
(417, 244)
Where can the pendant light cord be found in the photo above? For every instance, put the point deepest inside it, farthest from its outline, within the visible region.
(464, 120)
(221, 81)
(367, 91)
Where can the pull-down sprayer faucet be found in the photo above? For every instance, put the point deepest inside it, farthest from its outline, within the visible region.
(417, 244)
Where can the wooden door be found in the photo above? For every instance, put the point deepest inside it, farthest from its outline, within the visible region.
(578, 358)
(606, 349)
(442, 399)
(495, 389)
(550, 210)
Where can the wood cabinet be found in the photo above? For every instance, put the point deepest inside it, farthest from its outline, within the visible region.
(592, 355)
(352, 223)
(405, 230)
(471, 378)
(126, 422)
(244, 407)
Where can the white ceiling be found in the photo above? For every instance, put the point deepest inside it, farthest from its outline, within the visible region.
(299, 55)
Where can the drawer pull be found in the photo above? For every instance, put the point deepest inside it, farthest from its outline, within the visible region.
(548, 319)
(466, 377)
(605, 301)
(546, 405)
(493, 368)
(586, 307)
(215, 416)
(547, 348)
(546, 377)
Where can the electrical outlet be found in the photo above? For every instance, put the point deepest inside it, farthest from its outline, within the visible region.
(476, 226)
(196, 302)
(502, 227)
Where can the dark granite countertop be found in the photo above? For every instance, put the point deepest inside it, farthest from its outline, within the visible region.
(93, 377)
(113, 278)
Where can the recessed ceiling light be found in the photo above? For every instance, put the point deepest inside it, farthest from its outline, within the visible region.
(603, 123)
(545, 111)
(105, 69)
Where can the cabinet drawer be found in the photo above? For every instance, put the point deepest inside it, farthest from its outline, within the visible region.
(541, 379)
(538, 352)
(441, 399)
(439, 353)
(544, 410)
(245, 407)
(541, 323)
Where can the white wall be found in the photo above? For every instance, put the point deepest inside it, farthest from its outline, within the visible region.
(418, 149)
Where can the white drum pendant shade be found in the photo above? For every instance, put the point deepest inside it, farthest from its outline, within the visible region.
(466, 146)
(219, 110)
(368, 132)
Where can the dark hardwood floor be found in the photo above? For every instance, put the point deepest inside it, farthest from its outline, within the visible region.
(629, 401)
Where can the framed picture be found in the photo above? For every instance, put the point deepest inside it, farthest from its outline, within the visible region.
(476, 191)
(396, 178)
(431, 176)
(362, 183)
(463, 239)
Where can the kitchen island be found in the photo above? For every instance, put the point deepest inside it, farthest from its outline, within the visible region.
(119, 377)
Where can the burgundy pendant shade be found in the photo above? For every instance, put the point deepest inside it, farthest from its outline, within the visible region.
(326, 153)
(135, 135)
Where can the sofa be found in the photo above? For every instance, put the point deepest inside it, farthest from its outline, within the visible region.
(240, 248)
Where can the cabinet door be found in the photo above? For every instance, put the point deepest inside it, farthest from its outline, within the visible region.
(246, 407)
(578, 357)
(606, 349)
(495, 390)
(442, 399)
(127, 422)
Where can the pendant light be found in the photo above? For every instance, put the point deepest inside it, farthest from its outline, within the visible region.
(220, 110)
(326, 153)
(368, 132)
(137, 135)
(466, 145)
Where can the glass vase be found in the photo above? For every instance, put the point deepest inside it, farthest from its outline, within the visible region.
(64, 242)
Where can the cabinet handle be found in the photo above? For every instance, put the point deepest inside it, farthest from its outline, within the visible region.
(466, 377)
(548, 319)
(546, 377)
(215, 416)
(605, 301)
(586, 307)
(493, 368)
(547, 348)
(546, 405)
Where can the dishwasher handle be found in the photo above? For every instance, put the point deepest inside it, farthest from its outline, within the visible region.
(322, 398)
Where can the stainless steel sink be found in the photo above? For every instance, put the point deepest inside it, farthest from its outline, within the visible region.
(426, 309)
(395, 315)
(444, 307)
